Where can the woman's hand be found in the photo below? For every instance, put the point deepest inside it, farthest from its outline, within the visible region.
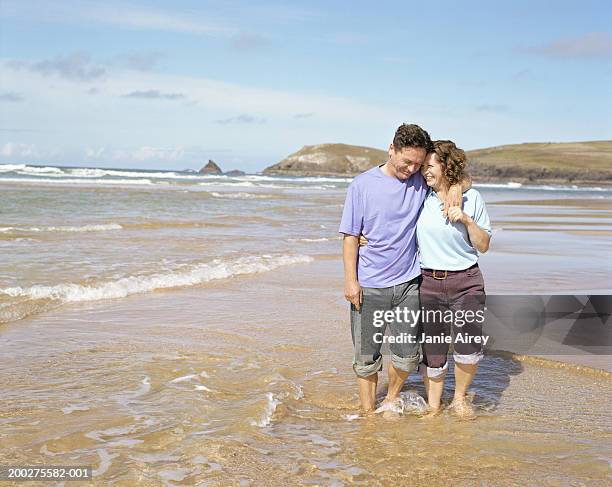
(478, 237)
(454, 197)
(362, 241)
(456, 214)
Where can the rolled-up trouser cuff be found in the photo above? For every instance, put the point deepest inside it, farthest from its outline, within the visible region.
(366, 370)
(433, 372)
(405, 364)
(470, 359)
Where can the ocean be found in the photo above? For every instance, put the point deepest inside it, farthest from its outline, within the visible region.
(172, 328)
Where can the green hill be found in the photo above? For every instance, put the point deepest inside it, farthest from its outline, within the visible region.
(329, 159)
(567, 162)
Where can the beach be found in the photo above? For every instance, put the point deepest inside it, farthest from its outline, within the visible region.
(168, 328)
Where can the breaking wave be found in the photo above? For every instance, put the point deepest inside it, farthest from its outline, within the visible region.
(83, 228)
(126, 286)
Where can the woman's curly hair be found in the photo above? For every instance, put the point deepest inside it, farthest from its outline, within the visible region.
(452, 158)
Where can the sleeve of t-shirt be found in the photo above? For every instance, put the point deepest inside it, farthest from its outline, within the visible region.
(481, 216)
(422, 188)
(352, 214)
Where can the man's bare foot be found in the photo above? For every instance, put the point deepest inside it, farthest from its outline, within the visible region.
(462, 409)
(391, 407)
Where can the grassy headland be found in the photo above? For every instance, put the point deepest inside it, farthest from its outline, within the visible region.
(558, 163)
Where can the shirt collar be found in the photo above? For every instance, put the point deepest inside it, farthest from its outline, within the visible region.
(432, 194)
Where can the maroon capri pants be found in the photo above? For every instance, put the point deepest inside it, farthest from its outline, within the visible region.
(453, 305)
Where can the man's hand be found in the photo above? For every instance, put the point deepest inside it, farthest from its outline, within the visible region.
(362, 241)
(454, 197)
(353, 293)
(456, 214)
(350, 253)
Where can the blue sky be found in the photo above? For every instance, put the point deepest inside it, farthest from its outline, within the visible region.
(171, 84)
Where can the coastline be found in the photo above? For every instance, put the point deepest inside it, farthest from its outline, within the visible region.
(574, 163)
(524, 179)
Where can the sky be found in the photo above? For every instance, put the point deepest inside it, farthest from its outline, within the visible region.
(171, 84)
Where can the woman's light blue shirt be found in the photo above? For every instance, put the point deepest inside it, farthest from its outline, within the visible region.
(444, 245)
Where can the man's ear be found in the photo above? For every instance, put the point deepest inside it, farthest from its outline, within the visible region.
(391, 149)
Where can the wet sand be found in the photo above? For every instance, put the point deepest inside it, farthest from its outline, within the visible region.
(248, 382)
(591, 203)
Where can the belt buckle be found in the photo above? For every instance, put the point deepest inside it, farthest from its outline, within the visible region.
(440, 278)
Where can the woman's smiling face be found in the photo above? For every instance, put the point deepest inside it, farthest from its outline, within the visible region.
(433, 171)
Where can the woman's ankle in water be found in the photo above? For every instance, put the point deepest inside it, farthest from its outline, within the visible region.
(459, 398)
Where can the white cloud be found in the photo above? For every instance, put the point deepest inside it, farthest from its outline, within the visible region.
(137, 15)
(489, 107)
(154, 94)
(143, 154)
(152, 19)
(223, 100)
(97, 153)
(248, 42)
(243, 118)
(139, 134)
(75, 66)
(11, 97)
(133, 133)
(119, 14)
(591, 45)
(141, 61)
(19, 151)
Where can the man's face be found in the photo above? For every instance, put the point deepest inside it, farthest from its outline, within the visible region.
(406, 161)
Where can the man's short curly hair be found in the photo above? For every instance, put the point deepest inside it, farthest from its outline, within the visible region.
(452, 158)
(411, 135)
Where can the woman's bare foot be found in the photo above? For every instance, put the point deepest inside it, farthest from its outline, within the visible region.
(462, 409)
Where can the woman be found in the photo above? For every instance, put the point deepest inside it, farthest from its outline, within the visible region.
(452, 290)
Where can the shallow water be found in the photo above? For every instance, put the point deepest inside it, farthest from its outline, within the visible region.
(181, 389)
(81, 234)
(224, 356)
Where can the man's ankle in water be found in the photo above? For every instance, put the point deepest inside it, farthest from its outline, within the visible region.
(390, 398)
(434, 407)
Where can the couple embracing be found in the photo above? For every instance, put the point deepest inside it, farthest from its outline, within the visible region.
(412, 230)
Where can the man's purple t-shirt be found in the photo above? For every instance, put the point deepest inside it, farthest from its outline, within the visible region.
(385, 210)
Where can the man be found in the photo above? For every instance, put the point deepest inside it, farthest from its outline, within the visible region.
(383, 204)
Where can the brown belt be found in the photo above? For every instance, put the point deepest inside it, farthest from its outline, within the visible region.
(441, 275)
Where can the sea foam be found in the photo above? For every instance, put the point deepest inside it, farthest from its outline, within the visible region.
(82, 228)
(198, 274)
(82, 181)
(270, 408)
(241, 195)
